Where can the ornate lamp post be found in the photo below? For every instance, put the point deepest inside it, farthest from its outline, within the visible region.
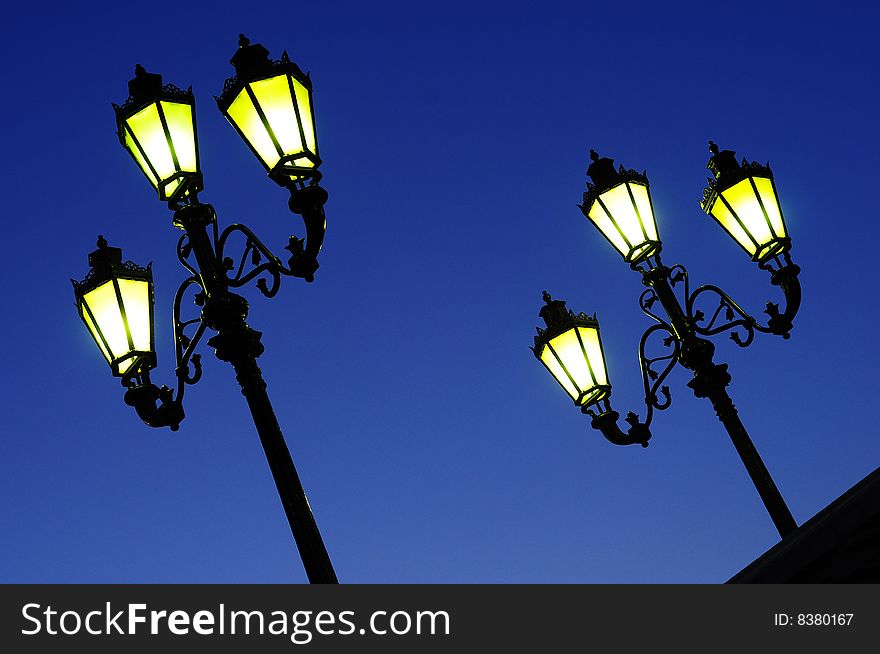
(742, 198)
(268, 102)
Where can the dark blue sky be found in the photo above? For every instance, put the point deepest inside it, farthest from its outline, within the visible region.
(433, 446)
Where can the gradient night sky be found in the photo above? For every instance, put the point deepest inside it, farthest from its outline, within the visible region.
(432, 444)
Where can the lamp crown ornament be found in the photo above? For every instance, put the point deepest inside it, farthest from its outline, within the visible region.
(602, 171)
(251, 61)
(144, 87)
(722, 164)
(554, 313)
(558, 319)
(105, 258)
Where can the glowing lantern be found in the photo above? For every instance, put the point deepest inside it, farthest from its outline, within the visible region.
(571, 349)
(157, 126)
(743, 199)
(269, 103)
(618, 202)
(115, 301)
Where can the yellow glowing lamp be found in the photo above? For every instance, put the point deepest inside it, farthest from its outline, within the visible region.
(157, 126)
(115, 301)
(571, 349)
(743, 200)
(618, 202)
(269, 103)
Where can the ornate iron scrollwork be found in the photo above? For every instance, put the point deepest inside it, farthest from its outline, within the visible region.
(261, 259)
(682, 328)
(784, 275)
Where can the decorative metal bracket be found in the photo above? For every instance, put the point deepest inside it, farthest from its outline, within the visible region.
(739, 322)
(657, 396)
(685, 328)
(160, 406)
(606, 422)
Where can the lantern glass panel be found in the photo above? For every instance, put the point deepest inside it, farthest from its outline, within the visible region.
(146, 125)
(624, 215)
(578, 351)
(139, 159)
(243, 113)
(155, 149)
(136, 299)
(548, 358)
(727, 220)
(273, 97)
(94, 332)
(104, 305)
(749, 211)
(179, 119)
(771, 204)
(304, 104)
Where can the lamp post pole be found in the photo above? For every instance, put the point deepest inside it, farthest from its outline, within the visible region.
(710, 381)
(236, 343)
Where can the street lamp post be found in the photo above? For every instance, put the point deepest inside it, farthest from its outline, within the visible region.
(743, 199)
(267, 102)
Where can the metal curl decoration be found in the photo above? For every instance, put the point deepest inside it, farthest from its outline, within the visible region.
(184, 249)
(648, 299)
(262, 259)
(185, 344)
(161, 406)
(731, 310)
(652, 379)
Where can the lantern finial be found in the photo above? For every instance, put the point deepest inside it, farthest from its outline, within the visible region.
(602, 172)
(722, 163)
(105, 258)
(144, 87)
(251, 61)
(554, 313)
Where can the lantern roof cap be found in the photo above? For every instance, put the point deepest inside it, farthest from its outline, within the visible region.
(252, 63)
(106, 263)
(727, 171)
(105, 258)
(145, 88)
(558, 320)
(605, 177)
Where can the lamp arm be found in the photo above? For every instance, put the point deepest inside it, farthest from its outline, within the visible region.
(159, 406)
(307, 202)
(184, 344)
(780, 323)
(183, 251)
(606, 422)
(639, 432)
(651, 379)
(261, 258)
(155, 406)
(786, 278)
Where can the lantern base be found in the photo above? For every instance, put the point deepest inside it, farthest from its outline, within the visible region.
(772, 249)
(642, 251)
(594, 396)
